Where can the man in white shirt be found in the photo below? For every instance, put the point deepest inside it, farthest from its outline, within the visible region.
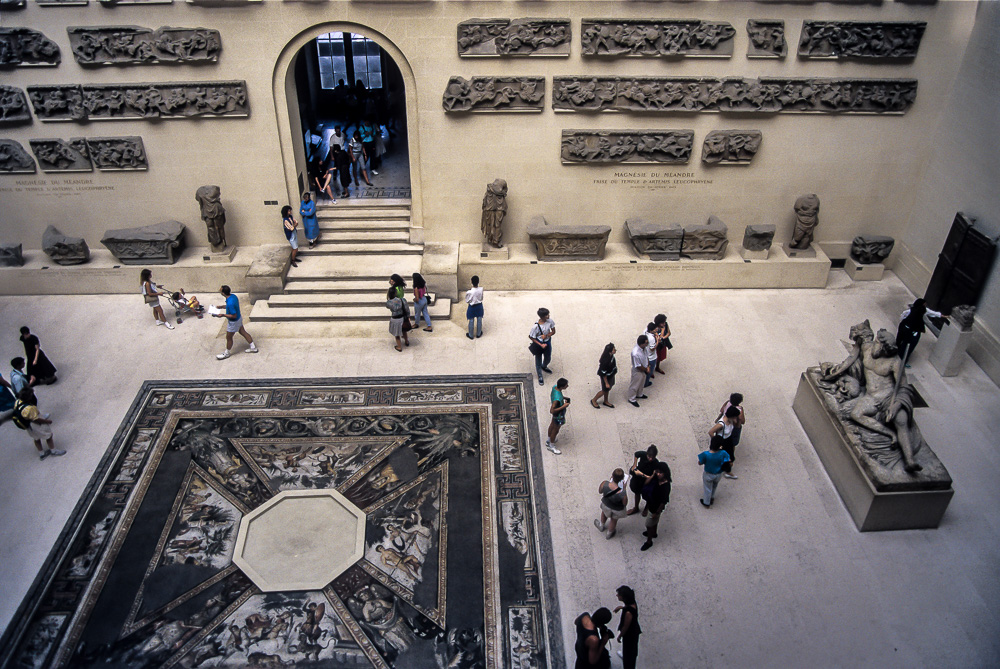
(650, 352)
(474, 312)
(640, 368)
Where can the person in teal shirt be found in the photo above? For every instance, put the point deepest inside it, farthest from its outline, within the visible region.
(714, 460)
(558, 410)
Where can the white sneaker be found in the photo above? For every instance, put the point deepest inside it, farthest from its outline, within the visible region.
(159, 322)
(375, 172)
(597, 524)
(252, 349)
(223, 355)
(169, 326)
(56, 451)
(552, 448)
(335, 200)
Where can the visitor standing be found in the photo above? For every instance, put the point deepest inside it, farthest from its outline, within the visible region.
(722, 434)
(40, 370)
(474, 312)
(420, 300)
(643, 468)
(663, 340)
(557, 408)
(394, 303)
(656, 492)
(541, 343)
(399, 284)
(7, 400)
(614, 501)
(640, 368)
(289, 225)
(234, 322)
(592, 635)
(652, 342)
(713, 460)
(27, 417)
(342, 170)
(735, 400)
(607, 368)
(152, 297)
(307, 209)
(359, 159)
(911, 326)
(367, 131)
(628, 626)
(18, 379)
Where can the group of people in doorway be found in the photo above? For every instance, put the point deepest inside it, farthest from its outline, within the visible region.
(336, 158)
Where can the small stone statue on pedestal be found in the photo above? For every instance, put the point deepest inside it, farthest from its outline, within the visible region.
(214, 215)
(806, 220)
(494, 211)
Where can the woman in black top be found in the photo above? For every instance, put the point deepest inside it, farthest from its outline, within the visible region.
(628, 626)
(606, 370)
(911, 326)
(592, 635)
(40, 370)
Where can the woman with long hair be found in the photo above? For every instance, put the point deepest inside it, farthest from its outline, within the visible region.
(606, 370)
(420, 302)
(152, 297)
(911, 326)
(394, 303)
(289, 225)
(628, 626)
(398, 284)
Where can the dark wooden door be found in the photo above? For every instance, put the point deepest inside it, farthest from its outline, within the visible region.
(963, 266)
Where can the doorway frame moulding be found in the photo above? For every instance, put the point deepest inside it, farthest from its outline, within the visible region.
(286, 108)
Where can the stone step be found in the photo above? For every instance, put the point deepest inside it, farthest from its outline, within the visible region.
(264, 312)
(348, 224)
(338, 285)
(362, 214)
(364, 248)
(365, 203)
(341, 236)
(372, 298)
(367, 266)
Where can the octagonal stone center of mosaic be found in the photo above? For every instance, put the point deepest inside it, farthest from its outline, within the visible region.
(300, 540)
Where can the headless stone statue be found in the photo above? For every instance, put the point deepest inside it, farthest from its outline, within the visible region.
(494, 210)
(214, 215)
(806, 220)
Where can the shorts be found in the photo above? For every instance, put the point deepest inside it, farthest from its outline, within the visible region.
(39, 432)
(234, 326)
(293, 239)
(155, 303)
(559, 418)
(617, 514)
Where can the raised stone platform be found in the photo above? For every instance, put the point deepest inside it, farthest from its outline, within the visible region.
(897, 506)
(623, 268)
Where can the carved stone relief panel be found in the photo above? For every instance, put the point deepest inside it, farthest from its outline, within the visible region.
(7, 5)
(627, 146)
(61, 3)
(733, 94)
(13, 106)
(112, 3)
(860, 39)
(656, 37)
(118, 45)
(14, 159)
(23, 46)
(731, 146)
(57, 155)
(871, 249)
(514, 37)
(705, 242)
(767, 38)
(494, 94)
(150, 100)
(117, 154)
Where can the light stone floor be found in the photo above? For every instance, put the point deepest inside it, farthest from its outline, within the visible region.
(775, 574)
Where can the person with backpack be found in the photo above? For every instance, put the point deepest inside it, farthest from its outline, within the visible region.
(657, 494)
(28, 418)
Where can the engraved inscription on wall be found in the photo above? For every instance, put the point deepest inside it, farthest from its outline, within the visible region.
(627, 146)
(121, 45)
(656, 37)
(517, 37)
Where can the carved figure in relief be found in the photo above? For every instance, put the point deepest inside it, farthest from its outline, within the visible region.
(13, 158)
(806, 220)
(494, 211)
(214, 215)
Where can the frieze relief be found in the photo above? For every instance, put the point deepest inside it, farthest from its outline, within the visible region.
(860, 39)
(627, 146)
(494, 94)
(14, 159)
(731, 146)
(13, 106)
(123, 45)
(656, 38)
(733, 94)
(57, 155)
(767, 38)
(21, 47)
(132, 101)
(514, 37)
(117, 154)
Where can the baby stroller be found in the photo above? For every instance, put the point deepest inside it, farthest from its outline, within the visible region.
(182, 304)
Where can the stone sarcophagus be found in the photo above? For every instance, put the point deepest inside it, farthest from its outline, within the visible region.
(705, 242)
(158, 244)
(568, 242)
(660, 241)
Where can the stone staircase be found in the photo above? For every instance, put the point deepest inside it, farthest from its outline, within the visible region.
(346, 275)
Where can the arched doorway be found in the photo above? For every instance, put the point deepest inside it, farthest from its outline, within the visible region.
(305, 77)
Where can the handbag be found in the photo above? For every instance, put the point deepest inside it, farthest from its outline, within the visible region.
(535, 348)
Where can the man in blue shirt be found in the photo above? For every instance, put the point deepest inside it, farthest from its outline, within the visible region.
(234, 323)
(713, 460)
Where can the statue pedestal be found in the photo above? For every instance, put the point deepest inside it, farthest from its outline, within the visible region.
(871, 510)
(859, 272)
(949, 351)
(754, 255)
(808, 252)
(490, 252)
(221, 257)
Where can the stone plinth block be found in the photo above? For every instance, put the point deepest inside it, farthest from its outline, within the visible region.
(63, 249)
(758, 237)
(808, 252)
(158, 244)
(949, 350)
(11, 255)
(300, 540)
(568, 242)
(705, 242)
(660, 241)
(266, 276)
(754, 255)
(862, 272)
(491, 252)
(919, 505)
